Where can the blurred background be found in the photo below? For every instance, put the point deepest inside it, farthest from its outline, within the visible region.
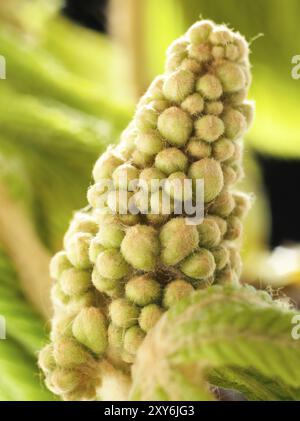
(74, 71)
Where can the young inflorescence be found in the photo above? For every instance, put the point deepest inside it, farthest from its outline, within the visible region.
(120, 271)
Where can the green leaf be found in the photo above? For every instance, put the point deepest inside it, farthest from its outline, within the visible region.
(234, 337)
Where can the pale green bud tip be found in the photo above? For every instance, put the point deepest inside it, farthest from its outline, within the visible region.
(211, 172)
(178, 240)
(235, 124)
(175, 126)
(210, 87)
(149, 316)
(95, 249)
(221, 36)
(106, 165)
(148, 178)
(115, 336)
(242, 205)
(140, 247)
(75, 281)
(133, 339)
(171, 160)
(234, 229)
(105, 285)
(146, 118)
(200, 265)
(111, 264)
(200, 31)
(149, 143)
(201, 52)
(123, 313)
(223, 205)
(231, 76)
(46, 359)
(179, 85)
(223, 149)
(221, 256)
(209, 233)
(68, 353)
(111, 235)
(176, 291)
(143, 290)
(89, 328)
(198, 148)
(123, 175)
(59, 263)
(193, 104)
(209, 128)
(77, 249)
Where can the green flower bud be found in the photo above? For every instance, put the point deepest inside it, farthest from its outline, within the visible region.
(106, 165)
(95, 249)
(232, 52)
(209, 86)
(221, 36)
(177, 188)
(58, 297)
(133, 339)
(230, 176)
(68, 353)
(149, 143)
(209, 233)
(111, 264)
(179, 85)
(234, 228)
(65, 381)
(223, 149)
(178, 46)
(200, 265)
(176, 291)
(223, 205)
(97, 194)
(141, 160)
(214, 107)
(77, 250)
(146, 118)
(123, 175)
(61, 325)
(242, 205)
(148, 178)
(111, 235)
(222, 224)
(119, 201)
(218, 52)
(75, 281)
(198, 148)
(129, 219)
(201, 52)
(235, 124)
(171, 160)
(235, 261)
(193, 104)
(159, 105)
(178, 240)
(243, 47)
(174, 60)
(231, 76)
(46, 359)
(227, 276)
(175, 126)
(82, 223)
(89, 328)
(248, 111)
(59, 263)
(191, 65)
(200, 31)
(123, 313)
(143, 290)
(221, 256)
(211, 172)
(149, 316)
(140, 247)
(77, 302)
(102, 284)
(209, 128)
(115, 336)
(155, 89)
